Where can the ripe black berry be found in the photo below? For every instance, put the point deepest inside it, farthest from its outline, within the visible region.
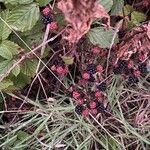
(91, 79)
(122, 64)
(128, 71)
(100, 108)
(117, 70)
(79, 109)
(132, 80)
(91, 69)
(102, 86)
(143, 68)
(47, 19)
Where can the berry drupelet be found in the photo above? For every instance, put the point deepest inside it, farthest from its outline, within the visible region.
(47, 20)
(117, 70)
(122, 64)
(102, 86)
(91, 69)
(100, 107)
(132, 80)
(79, 109)
(143, 68)
(91, 79)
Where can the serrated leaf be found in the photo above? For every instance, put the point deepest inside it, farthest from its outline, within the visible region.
(5, 84)
(100, 36)
(16, 2)
(29, 67)
(43, 2)
(117, 7)
(137, 17)
(4, 52)
(5, 65)
(4, 29)
(16, 70)
(8, 49)
(68, 60)
(23, 18)
(107, 4)
(21, 81)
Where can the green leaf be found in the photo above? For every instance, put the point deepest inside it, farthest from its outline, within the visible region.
(137, 17)
(5, 84)
(16, 70)
(16, 2)
(29, 67)
(21, 135)
(68, 60)
(4, 29)
(5, 65)
(107, 4)
(8, 49)
(117, 7)
(100, 36)
(23, 18)
(128, 9)
(43, 2)
(5, 52)
(21, 81)
(60, 19)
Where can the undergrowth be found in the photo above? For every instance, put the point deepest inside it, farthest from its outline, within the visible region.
(74, 75)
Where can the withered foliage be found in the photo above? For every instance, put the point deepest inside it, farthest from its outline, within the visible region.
(136, 41)
(80, 14)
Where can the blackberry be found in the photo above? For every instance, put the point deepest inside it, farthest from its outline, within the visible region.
(102, 86)
(79, 109)
(132, 80)
(100, 107)
(46, 19)
(128, 71)
(143, 68)
(91, 79)
(122, 64)
(117, 70)
(91, 69)
(121, 68)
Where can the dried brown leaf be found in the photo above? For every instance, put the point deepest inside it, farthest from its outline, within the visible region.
(80, 14)
(136, 41)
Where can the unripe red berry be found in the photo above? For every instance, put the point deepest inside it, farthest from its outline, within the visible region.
(46, 11)
(96, 50)
(53, 25)
(98, 94)
(66, 70)
(76, 95)
(92, 104)
(86, 112)
(80, 101)
(94, 111)
(86, 76)
(130, 64)
(60, 70)
(141, 57)
(53, 68)
(137, 73)
(99, 69)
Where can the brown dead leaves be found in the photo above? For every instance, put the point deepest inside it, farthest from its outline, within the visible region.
(80, 14)
(136, 41)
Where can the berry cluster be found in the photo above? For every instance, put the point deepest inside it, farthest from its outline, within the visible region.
(60, 69)
(89, 102)
(129, 70)
(48, 19)
(90, 71)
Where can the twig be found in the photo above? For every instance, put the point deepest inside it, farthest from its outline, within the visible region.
(109, 52)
